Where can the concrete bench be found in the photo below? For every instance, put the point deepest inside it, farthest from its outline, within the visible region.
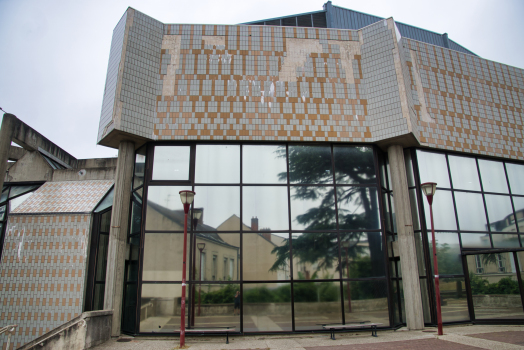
(225, 330)
(335, 327)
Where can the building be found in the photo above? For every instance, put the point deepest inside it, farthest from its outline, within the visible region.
(320, 127)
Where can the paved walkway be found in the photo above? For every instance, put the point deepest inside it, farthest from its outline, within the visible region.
(455, 338)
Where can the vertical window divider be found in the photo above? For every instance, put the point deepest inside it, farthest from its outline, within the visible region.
(290, 235)
(519, 278)
(512, 205)
(484, 201)
(240, 257)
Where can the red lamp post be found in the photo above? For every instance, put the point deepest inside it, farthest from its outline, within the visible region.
(201, 247)
(429, 189)
(187, 198)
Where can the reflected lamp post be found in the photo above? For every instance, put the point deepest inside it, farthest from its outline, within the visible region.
(345, 246)
(429, 189)
(187, 198)
(200, 247)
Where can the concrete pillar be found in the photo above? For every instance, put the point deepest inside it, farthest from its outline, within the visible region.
(7, 131)
(406, 239)
(118, 234)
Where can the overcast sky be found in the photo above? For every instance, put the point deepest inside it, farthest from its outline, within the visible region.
(54, 53)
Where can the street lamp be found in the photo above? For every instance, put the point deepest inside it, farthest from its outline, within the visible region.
(187, 198)
(345, 246)
(197, 214)
(200, 247)
(429, 189)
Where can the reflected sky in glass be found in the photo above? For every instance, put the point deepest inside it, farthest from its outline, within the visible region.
(164, 208)
(312, 208)
(500, 213)
(433, 168)
(470, 211)
(464, 173)
(264, 164)
(493, 176)
(516, 177)
(171, 163)
(219, 203)
(269, 204)
(217, 164)
(443, 211)
(475, 240)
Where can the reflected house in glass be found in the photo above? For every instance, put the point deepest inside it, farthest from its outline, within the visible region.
(306, 138)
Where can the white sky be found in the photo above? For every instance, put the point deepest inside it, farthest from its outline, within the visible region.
(54, 53)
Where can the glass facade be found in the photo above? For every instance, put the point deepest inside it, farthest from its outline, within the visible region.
(289, 237)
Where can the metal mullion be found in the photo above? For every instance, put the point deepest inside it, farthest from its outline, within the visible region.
(484, 201)
(291, 264)
(241, 241)
(196, 283)
(469, 293)
(425, 239)
(263, 185)
(512, 206)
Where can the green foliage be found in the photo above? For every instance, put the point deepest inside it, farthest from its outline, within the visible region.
(224, 295)
(480, 286)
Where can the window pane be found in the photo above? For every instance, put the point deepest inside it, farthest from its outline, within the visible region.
(219, 258)
(269, 204)
(264, 164)
(315, 255)
(515, 175)
(16, 190)
(160, 308)
(475, 240)
(312, 208)
(15, 203)
(387, 213)
(414, 209)
(101, 258)
(2, 212)
(266, 256)
(136, 218)
(454, 299)
(354, 165)
(220, 206)
(140, 166)
(505, 240)
(171, 163)
(362, 253)
(432, 167)
(217, 164)
(493, 176)
(3, 196)
(105, 222)
(267, 307)
(358, 208)
(443, 211)
(310, 165)
(106, 202)
(165, 211)
(215, 306)
(448, 253)
(163, 256)
(98, 298)
(464, 174)
(500, 213)
(470, 211)
(316, 303)
(409, 167)
(366, 301)
(518, 202)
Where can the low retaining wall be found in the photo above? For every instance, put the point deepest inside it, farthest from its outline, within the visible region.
(497, 300)
(83, 332)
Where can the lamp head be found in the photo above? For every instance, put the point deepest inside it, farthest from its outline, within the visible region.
(201, 246)
(429, 189)
(187, 198)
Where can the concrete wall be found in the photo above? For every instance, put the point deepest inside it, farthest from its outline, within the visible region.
(30, 167)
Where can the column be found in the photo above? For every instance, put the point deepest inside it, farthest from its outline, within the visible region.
(118, 234)
(406, 239)
(7, 131)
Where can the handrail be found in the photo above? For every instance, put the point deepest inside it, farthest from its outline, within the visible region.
(10, 330)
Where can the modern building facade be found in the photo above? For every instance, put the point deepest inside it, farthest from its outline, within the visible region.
(306, 139)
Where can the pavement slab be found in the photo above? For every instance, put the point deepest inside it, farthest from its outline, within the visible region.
(511, 337)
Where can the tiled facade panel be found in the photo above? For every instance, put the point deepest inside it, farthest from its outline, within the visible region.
(42, 273)
(65, 197)
(472, 105)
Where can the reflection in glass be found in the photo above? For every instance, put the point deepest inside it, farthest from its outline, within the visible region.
(358, 208)
(136, 216)
(171, 163)
(515, 176)
(140, 166)
(362, 253)
(500, 213)
(383, 169)
(354, 165)
(219, 257)
(494, 286)
(162, 256)
(220, 207)
(312, 208)
(493, 176)
(443, 211)
(267, 307)
(432, 167)
(367, 302)
(475, 240)
(470, 211)
(2, 212)
(409, 167)
(505, 240)
(106, 202)
(464, 174)
(217, 164)
(3, 196)
(264, 164)
(310, 165)
(387, 213)
(164, 208)
(420, 254)
(315, 255)
(269, 204)
(316, 303)
(214, 306)
(448, 253)
(414, 209)
(425, 300)
(105, 222)
(266, 256)
(16, 190)
(15, 203)
(518, 202)
(101, 258)
(160, 308)
(453, 298)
